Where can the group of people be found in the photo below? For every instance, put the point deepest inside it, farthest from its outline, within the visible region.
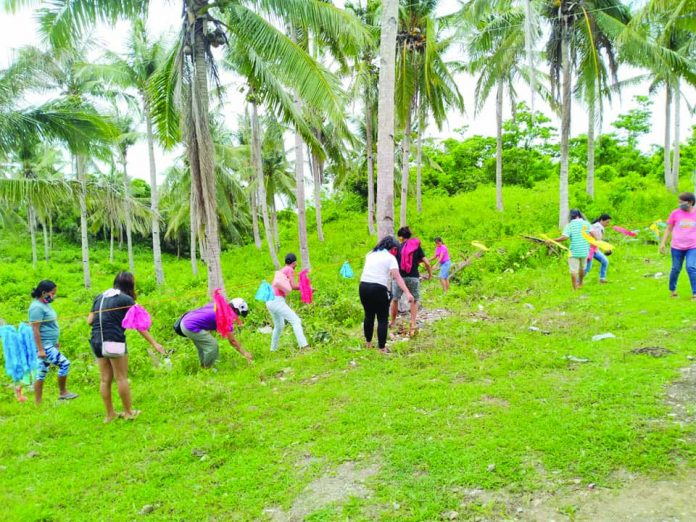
(581, 252)
(391, 271)
(108, 334)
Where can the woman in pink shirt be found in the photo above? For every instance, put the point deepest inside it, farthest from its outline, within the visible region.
(443, 258)
(283, 283)
(681, 225)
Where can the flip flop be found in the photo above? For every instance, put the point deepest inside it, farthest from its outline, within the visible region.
(68, 397)
(133, 415)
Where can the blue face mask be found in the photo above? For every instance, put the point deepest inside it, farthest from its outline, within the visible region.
(48, 299)
(684, 207)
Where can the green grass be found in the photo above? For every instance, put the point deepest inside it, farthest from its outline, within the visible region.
(474, 389)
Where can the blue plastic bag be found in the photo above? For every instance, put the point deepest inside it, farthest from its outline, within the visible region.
(265, 292)
(30, 360)
(19, 351)
(346, 271)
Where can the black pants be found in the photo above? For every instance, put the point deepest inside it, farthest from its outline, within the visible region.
(375, 300)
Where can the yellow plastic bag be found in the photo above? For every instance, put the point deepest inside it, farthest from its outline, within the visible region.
(602, 245)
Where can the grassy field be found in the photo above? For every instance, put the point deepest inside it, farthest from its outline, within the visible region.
(478, 401)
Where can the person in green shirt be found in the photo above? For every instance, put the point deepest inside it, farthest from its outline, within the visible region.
(43, 320)
(579, 246)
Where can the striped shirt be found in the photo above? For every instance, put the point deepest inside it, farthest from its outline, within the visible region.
(579, 247)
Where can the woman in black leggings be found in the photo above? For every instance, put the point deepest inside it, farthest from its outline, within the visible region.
(380, 265)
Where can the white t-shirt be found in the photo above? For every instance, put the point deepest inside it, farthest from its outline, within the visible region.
(598, 230)
(378, 266)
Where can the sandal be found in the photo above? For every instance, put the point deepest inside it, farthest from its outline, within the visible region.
(133, 415)
(68, 396)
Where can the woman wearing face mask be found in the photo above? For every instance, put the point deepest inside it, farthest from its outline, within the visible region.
(43, 319)
(681, 225)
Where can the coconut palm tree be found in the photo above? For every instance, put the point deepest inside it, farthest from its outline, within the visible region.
(385, 117)
(424, 83)
(365, 86)
(495, 47)
(136, 69)
(569, 39)
(69, 118)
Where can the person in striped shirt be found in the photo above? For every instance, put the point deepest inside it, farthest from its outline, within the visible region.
(579, 246)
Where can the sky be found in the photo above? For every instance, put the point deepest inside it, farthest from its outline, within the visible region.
(20, 29)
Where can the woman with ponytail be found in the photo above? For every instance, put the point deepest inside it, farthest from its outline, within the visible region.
(43, 320)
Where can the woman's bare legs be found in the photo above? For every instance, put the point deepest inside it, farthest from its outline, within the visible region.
(119, 366)
(106, 377)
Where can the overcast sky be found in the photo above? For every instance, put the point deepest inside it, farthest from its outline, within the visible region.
(20, 29)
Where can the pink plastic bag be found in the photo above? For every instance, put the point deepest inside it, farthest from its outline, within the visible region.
(224, 315)
(624, 231)
(305, 288)
(137, 318)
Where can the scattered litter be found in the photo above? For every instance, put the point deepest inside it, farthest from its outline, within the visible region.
(591, 486)
(32, 454)
(480, 307)
(198, 452)
(572, 358)
(691, 357)
(147, 509)
(601, 337)
(451, 515)
(529, 305)
(537, 329)
(265, 330)
(653, 351)
(656, 275)
(491, 467)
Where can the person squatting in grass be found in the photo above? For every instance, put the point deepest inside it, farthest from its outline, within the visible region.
(579, 246)
(106, 317)
(198, 324)
(442, 257)
(409, 256)
(44, 323)
(380, 264)
(597, 231)
(283, 283)
(681, 225)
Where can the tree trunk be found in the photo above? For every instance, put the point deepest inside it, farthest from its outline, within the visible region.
(256, 160)
(385, 116)
(591, 148)
(154, 199)
(370, 168)
(405, 170)
(529, 52)
(111, 245)
(499, 147)
(669, 182)
(317, 174)
(31, 215)
(192, 248)
(47, 248)
(677, 131)
(129, 228)
(419, 161)
(274, 225)
(82, 178)
(255, 218)
(565, 129)
(200, 146)
(300, 194)
(50, 232)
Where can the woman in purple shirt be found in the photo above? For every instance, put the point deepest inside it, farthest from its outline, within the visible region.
(198, 324)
